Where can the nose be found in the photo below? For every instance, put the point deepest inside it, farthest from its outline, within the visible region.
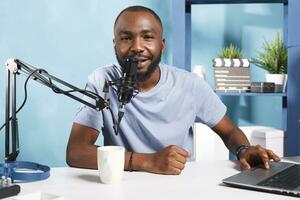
(137, 46)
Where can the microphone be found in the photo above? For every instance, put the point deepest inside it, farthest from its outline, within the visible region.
(126, 88)
(127, 82)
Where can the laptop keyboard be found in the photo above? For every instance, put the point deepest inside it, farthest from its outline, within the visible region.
(288, 179)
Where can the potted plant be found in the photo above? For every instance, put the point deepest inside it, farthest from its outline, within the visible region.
(231, 52)
(273, 58)
(231, 71)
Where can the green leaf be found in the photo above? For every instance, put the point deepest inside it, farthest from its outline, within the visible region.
(231, 52)
(272, 57)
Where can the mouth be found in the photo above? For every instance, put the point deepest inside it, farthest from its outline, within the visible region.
(142, 61)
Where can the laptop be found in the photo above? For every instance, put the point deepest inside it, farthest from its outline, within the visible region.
(280, 178)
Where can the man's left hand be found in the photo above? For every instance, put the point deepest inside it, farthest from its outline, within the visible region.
(256, 155)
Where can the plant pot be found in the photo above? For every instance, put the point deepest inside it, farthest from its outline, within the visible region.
(279, 80)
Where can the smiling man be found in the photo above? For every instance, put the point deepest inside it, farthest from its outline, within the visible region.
(156, 129)
(140, 37)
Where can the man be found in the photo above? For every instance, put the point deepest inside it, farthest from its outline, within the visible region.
(156, 128)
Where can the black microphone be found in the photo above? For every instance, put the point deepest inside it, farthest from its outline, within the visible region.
(126, 88)
(127, 83)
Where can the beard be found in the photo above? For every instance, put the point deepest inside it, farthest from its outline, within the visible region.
(143, 76)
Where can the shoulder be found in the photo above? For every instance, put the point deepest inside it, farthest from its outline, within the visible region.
(184, 78)
(178, 73)
(107, 72)
(110, 70)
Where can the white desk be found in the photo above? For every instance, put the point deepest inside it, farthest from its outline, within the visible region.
(197, 181)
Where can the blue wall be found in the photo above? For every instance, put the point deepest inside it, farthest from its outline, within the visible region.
(70, 38)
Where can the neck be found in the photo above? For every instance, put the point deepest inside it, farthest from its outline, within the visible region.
(151, 82)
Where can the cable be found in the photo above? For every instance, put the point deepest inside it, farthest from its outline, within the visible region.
(53, 87)
(114, 121)
(25, 97)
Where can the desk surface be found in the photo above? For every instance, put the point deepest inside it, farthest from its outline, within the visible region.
(198, 180)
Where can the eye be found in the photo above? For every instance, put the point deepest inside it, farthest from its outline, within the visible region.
(148, 37)
(125, 38)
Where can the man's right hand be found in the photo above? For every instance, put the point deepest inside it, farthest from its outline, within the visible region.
(170, 160)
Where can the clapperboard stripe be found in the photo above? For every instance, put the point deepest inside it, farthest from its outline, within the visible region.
(233, 84)
(227, 76)
(221, 71)
(224, 62)
(231, 80)
(231, 88)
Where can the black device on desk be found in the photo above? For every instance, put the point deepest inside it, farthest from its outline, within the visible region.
(7, 189)
(281, 178)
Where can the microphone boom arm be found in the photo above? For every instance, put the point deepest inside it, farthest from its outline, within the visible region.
(15, 67)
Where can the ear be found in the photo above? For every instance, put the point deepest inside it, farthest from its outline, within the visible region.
(163, 41)
(114, 44)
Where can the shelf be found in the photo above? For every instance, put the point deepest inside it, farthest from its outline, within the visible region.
(181, 46)
(250, 94)
(234, 1)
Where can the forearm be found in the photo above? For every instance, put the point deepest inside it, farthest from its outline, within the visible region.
(231, 135)
(87, 158)
(82, 157)
(139, 161)
(235, 139)
(169, 160)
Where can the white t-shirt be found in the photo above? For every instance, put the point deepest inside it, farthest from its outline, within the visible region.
(157, 118)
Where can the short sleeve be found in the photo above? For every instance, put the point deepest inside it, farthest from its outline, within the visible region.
(210, 109)
(88, 116)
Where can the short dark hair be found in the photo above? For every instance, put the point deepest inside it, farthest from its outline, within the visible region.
(137, 9)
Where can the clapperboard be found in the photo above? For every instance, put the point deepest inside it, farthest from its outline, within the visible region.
(231, 75)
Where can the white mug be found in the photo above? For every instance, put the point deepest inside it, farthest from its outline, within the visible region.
(110, 161)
